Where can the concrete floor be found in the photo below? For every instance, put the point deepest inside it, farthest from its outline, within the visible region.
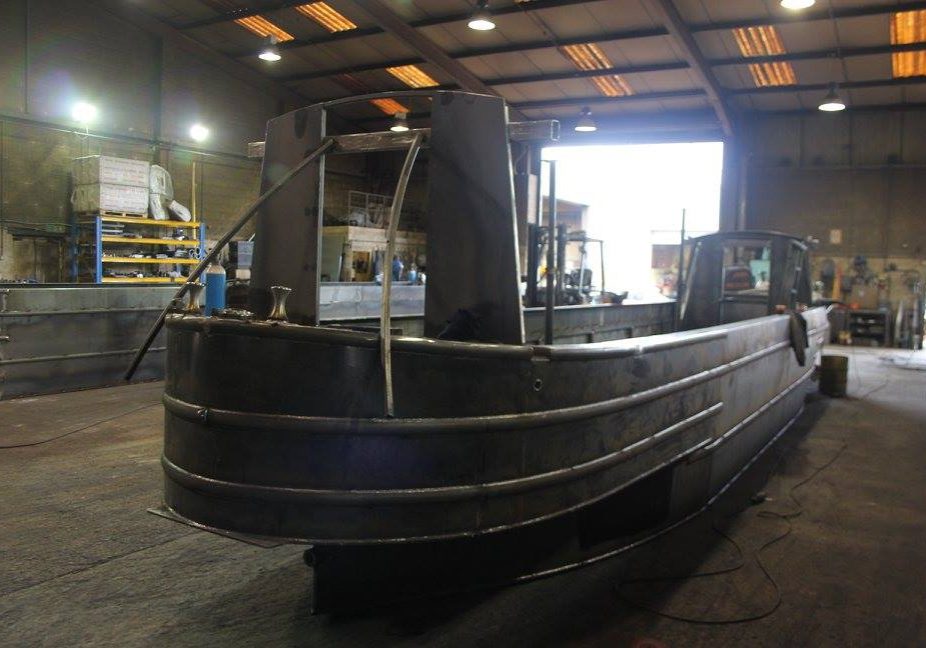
(84, 564)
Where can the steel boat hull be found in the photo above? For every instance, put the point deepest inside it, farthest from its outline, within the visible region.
(275, 431)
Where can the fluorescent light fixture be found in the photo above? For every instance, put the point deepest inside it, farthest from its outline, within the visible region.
(796, 5)
(271, 52)
(586, 124)
(832, 102)
(481, 19)
(84, 113)
(400, 125)
(199, 133)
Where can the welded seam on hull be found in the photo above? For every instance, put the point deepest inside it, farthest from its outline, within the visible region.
(490, 423)
(436, 494)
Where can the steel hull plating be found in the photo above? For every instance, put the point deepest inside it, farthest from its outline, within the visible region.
(275, 430)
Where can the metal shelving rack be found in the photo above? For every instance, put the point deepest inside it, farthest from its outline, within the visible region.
(88, 243)
(870, 324)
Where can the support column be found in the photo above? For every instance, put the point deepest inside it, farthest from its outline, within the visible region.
(733, 186)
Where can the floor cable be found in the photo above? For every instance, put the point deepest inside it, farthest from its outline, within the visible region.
(80, 429)
(786, 517)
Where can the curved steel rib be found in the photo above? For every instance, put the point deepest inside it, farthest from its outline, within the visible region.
(385, 329)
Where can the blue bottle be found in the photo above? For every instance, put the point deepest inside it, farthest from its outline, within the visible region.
(215, 288)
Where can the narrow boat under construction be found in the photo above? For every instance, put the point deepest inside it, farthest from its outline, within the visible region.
(469, 456)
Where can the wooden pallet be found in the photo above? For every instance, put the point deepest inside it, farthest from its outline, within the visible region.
(114, 213)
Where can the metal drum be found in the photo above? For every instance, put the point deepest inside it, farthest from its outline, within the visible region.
(834, 370)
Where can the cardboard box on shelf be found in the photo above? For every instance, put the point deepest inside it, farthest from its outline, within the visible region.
(110, 197)
(106, 169)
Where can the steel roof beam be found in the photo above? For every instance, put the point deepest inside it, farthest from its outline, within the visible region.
(673, 21)
(684, 94)
(570, 74)
(534, 5)
(585, 74)
(848, 85)
(569, 101)
(424, 46)
(847, 52)
(601, 99)
(811, 16)
(481, 51)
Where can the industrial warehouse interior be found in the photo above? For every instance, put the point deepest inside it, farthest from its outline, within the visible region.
(462, 323)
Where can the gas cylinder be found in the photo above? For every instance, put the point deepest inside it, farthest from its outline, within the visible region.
(215, 288)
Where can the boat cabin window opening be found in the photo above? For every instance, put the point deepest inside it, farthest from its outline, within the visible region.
(747, 269)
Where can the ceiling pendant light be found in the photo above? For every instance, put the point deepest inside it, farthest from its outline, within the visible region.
(84, 113)
(400, 125)
(481, 19)
(271, 52)
(796, 5)
(832, 102)
(199, 133)
(586, 124)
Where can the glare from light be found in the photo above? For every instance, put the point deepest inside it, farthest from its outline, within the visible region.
(400, 125)
(199, 133)
(481, 19)
(832, 106)
(586, 124)
(84, 113)
(270, 53)
(832, 102)
(796, 5)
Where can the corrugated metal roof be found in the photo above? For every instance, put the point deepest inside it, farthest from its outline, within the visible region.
(850, 46)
